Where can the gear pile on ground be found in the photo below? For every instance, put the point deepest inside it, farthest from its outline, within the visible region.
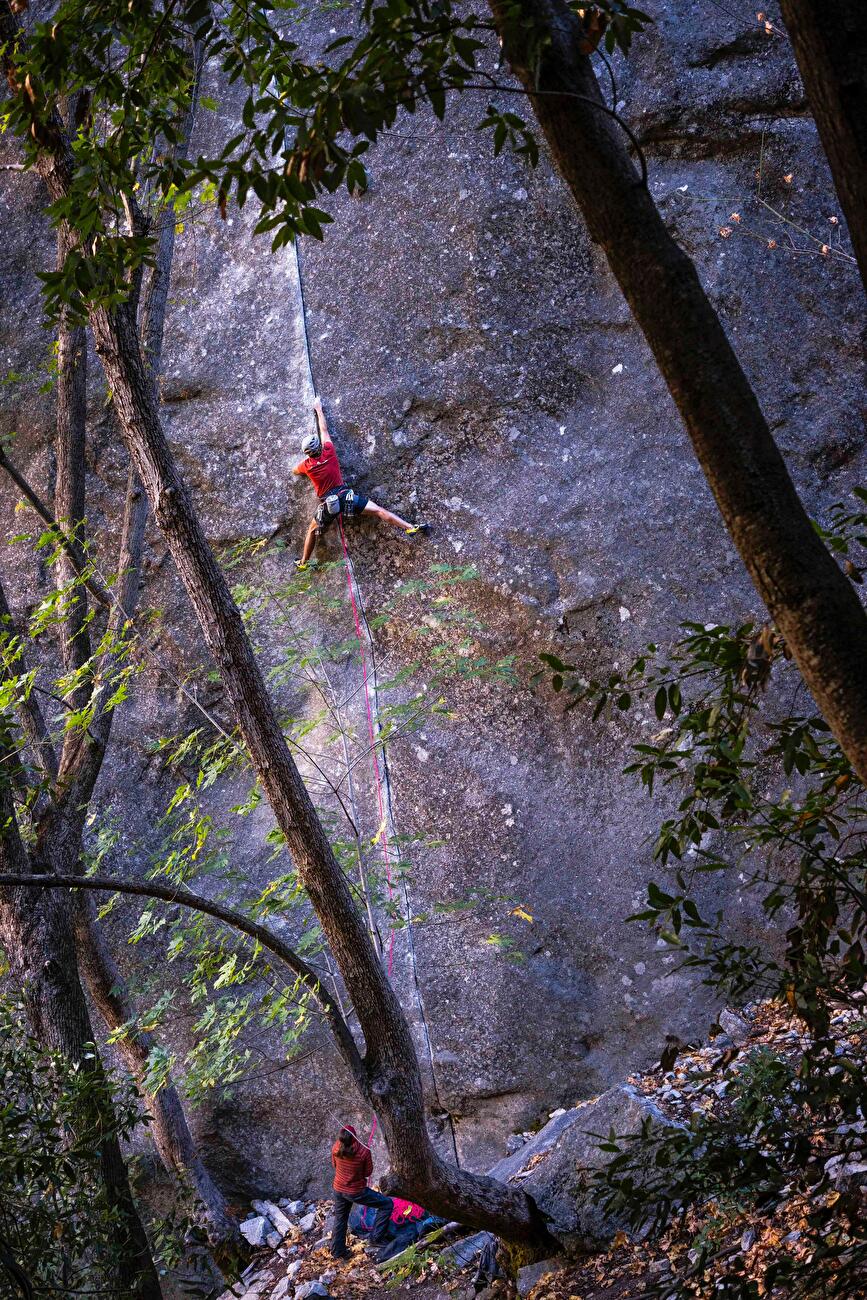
(293, 1262)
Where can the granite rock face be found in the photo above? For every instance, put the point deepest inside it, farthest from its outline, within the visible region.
(482, 371)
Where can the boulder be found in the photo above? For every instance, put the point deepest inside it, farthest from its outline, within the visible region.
(293, 1208)
(307, 1223)
(735, 1026)
(556, 1166)
(281, 1223)
(256, 1230)
(253, 1285)
(280, 1289)
(849, 1167)
(293, 1269)
(310, 1289)
(463, 1252)
(532, 1274)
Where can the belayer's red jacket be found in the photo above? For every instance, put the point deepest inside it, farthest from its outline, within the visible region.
(351, 1172)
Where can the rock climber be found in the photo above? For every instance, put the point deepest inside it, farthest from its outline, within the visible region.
(353, 1165)
(321, 466)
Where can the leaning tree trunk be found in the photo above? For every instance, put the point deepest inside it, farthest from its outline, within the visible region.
(829, 38)
(168, 1124)
(809, 598)
(392, 1081)
(37, 939)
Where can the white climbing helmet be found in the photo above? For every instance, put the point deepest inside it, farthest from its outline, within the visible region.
(312, 445)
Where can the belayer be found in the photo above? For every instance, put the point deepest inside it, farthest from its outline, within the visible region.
(321, 466)
(353, 1165)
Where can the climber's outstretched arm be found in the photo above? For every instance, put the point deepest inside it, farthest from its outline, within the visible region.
(321, 421)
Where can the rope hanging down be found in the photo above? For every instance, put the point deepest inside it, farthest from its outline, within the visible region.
(382, 834)
(301, 317)
(380, 768)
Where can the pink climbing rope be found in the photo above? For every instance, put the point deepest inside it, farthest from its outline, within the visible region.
(371, 732)
(383, 827)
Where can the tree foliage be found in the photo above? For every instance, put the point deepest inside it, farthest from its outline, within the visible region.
(765, 802)
(306, 118)
(58, 1231)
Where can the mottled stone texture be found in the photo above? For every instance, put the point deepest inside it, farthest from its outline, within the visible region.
(481, 370)
(557, 1165)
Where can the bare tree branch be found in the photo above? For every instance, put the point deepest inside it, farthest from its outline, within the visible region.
(29, 713)
(95, 587)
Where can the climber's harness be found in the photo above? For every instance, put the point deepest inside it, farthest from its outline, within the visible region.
(340, 501)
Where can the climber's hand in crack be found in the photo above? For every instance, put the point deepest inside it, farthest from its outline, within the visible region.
(321, 466)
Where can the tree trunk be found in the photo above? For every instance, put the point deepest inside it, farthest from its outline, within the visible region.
(829, 38)
(168, 1126)
(813, 604)
(37, 939)
(392, 1082)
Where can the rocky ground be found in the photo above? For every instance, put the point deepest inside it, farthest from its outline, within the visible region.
(293, 1261)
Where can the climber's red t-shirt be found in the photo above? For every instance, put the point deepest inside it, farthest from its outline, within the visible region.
(323, 472)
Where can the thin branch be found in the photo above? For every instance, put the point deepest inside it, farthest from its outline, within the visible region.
(610, 72)
(30, 715)
(80, 764)
(806, 233)
(236, 920)
(95, 588)
(567, 94)
(101, 594)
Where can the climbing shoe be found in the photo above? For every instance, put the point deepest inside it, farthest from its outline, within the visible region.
(417, 528)
(299, 564)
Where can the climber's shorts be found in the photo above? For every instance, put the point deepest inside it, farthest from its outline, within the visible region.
(350, 500)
